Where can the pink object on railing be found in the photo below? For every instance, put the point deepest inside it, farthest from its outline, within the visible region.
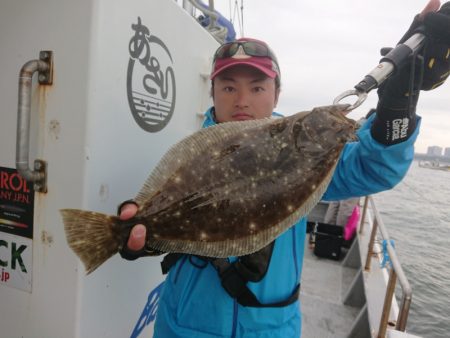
(352, 224)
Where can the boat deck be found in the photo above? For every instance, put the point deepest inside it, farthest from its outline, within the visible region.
(323, 290)
(323, 312)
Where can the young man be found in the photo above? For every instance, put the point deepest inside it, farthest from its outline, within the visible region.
(257, 296)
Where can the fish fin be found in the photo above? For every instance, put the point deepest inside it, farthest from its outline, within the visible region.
(91, 236)
(186, 149)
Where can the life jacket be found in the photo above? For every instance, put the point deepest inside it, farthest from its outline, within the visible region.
(235, 275)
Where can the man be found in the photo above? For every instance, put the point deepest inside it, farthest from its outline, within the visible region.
(257, 295)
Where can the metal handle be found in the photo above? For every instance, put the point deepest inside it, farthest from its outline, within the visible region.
(384, 69)
(44, 67)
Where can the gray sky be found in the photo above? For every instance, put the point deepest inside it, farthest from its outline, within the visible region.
(325, 47)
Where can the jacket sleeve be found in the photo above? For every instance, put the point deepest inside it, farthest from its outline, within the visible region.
(367, 166)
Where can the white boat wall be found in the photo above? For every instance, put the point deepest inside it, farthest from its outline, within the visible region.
(129, 79)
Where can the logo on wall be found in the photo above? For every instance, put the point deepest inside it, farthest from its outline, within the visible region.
(150, 80)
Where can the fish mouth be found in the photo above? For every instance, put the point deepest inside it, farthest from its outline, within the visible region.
(342, 111)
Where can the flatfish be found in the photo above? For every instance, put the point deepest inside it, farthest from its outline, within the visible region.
(226, 190)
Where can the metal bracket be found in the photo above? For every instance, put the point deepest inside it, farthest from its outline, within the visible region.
(40, 167)
(45, 77)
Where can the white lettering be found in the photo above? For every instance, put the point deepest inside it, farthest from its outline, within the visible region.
(399, 128)
(404, 128)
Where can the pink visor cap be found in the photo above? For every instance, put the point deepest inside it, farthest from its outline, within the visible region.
(266, 64)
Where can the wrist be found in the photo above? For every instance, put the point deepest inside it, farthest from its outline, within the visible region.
(395, 120)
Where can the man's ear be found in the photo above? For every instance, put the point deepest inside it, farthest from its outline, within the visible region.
(277, 95)
(211, 90)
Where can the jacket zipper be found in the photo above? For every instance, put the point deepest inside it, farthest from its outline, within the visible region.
(294, 247)
(235, 313)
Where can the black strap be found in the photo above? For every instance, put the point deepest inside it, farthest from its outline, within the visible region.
(236, 286)
(169, 260)
(234, 283)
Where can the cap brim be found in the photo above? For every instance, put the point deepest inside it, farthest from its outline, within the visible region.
(270, 73)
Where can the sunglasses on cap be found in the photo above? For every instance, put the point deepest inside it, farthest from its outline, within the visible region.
(250, 48)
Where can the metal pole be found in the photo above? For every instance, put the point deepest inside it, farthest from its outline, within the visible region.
(403, 313)
(371, 242)
(212, 19)
(363, 217)
(400, 274)
(387, 304)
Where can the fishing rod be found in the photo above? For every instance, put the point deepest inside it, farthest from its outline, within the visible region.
(387, 66)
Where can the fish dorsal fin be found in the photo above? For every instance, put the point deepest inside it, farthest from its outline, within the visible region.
(190, 147)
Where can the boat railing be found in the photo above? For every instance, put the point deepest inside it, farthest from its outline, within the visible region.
(218, 31)
(396, 271)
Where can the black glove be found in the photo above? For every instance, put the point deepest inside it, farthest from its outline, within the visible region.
(398, 96)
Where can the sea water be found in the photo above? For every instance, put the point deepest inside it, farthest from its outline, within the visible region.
(417, 215)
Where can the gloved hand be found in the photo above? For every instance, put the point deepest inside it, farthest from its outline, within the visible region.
(125, 251)
(436, 27)
(398, 95)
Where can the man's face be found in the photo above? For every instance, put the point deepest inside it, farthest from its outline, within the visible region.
(243, 93)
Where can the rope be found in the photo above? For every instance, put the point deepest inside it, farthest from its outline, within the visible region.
(240, 18)
(386, 258)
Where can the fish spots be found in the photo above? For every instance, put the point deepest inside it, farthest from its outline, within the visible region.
(239, 185)
(203, 236)
(252, 228)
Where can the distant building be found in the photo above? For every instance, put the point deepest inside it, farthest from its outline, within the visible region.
(434, 151)
(447, 152)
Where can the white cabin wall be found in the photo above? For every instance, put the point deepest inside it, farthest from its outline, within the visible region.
(97, 155)
(28, 27)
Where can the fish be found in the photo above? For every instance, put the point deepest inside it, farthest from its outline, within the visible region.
(226, 190)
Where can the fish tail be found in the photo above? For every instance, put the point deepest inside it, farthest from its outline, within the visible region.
(91, 235)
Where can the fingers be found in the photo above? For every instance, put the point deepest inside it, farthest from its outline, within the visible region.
(438, 24)
(137, 238)
(432, 6)
(136, 241)
(128, 211)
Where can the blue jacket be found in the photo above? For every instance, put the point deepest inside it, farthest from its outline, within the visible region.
(193, 302)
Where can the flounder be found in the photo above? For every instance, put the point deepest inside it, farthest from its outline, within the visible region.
(226, 190)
